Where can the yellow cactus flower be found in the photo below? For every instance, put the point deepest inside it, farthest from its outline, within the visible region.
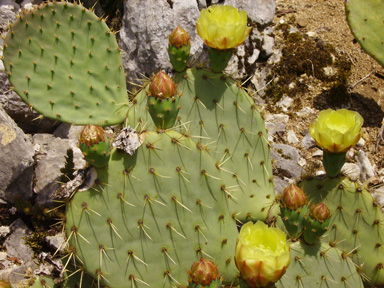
(222, 26)
(262, 254)
(337, 130)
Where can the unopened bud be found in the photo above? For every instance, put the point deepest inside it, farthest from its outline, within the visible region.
(320, 212)
(162, 86)
(179, 37)
(203, 272)
(293, 197)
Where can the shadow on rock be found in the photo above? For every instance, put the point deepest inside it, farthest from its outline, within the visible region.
(367, 107)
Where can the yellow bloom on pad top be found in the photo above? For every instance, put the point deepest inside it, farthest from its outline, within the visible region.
(336, 131)
(262, 254)
(222, 26)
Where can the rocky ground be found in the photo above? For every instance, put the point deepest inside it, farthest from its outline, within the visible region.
(301, 58)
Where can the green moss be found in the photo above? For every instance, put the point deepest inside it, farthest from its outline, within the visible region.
(312, 57)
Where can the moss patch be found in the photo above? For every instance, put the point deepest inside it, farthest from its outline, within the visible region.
(304, 57)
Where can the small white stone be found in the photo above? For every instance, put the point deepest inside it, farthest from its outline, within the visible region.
(3, 256)
(291, 137)
(367, 170)
(311, 34)
(361, 143)
(285, 103)
(318, 153)
(4, 231)
(302, 162)
(306, 111)
(277, 118)
(282, 21)
(351, 170)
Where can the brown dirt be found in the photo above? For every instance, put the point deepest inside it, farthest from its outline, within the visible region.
(326, 22)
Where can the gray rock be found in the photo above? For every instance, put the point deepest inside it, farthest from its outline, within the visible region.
(284, 103)
(308, 142)
(285, 160)
(147, 24)
(16, 160)
(8, 12)
(259, 11)
(50, 158)
(145, 29)
(15, 242)
(57, 241)
(28, 120)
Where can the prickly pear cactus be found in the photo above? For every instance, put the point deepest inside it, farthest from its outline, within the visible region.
(223, 119)
(366, 20)
(153, 214)
(356, 226)
(319, 265)
(65, 63)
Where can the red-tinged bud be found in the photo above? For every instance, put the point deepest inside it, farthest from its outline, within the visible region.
(92, 135)
(203, 272)
(179, 37)
(293, 197)
(162, 86)
(320, 212)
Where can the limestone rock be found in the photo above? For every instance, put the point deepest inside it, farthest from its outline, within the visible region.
(16, 160)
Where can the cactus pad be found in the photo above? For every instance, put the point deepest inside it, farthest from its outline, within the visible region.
(366, 20)
(319, 265)
(152, 215)
(356, 226)
(223, 119)
(64, 62)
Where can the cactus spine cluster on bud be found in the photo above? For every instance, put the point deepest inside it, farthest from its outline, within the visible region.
(95, 145)
(204, 273)
(316, 223)
(179, 48)
(163, 100)
(293, 210)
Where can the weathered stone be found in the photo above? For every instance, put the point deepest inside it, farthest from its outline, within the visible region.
(8, 11)
(15, 242)
(16, 160)
(50, 158)
(351, 170)
(28, 120)
(308, 142)
(147, 24)
(285, 159)
(56, 241)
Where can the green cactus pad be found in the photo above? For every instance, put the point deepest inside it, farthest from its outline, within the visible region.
(64, 62)
(319, 265)
(366, 20)
(224, 120)
(152, 215)
(356, 226)
(96, 155)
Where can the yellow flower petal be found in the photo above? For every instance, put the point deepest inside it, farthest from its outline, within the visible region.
(262, 254)
(222, 26)
(336, 131)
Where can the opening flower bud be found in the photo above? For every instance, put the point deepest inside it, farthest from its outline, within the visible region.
(162, 86)
(320, 212)
(222, 26)
(203, 272)
(336, 131)
(179, 37)
(92, 135)
(262, 254)
(293, 197)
